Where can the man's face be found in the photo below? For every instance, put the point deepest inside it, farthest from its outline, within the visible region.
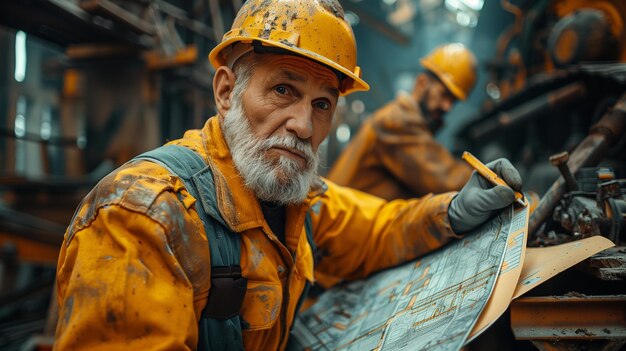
(435, 102)
(276, 124)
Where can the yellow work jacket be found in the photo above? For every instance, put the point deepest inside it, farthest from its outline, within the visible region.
(395, 156)
(134, 269)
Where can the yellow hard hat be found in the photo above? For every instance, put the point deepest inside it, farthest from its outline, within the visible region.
(455, 66)
(315, 29)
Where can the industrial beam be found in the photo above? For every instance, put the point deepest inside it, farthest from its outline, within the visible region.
(568, 322)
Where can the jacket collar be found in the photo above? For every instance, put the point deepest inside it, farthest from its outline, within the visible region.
(408, 102)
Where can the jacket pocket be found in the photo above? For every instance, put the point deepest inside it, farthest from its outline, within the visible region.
(261, 304)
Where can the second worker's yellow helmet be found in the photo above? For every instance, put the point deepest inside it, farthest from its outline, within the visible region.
(315, 29)
(455, 66)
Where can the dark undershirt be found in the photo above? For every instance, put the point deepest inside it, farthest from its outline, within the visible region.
(275, 217)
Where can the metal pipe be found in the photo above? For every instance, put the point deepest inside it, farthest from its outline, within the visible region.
(379, 25)
(560, 161)
(589, 152)
(529, 109)
(36, 138)
(216, 19)
(558, 318)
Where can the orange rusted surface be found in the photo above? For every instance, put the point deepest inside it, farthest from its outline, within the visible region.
(569, 318)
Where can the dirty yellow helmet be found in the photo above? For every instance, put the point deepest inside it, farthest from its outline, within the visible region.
(315, 29)
(455, 66)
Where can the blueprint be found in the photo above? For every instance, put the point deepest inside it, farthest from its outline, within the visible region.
(428, 304)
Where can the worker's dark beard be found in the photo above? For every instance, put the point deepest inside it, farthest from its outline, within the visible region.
(434, 119)
(283, 182)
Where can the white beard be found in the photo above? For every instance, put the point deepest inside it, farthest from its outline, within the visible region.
(283, 182)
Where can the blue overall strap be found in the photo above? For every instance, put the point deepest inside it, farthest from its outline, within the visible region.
(219, 327)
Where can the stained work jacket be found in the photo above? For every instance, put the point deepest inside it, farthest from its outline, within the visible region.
(395, 156)
(134, 269)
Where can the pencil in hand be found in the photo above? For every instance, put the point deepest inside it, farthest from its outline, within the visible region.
(490, 175)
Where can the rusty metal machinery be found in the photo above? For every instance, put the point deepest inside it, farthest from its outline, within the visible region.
(557, 110)
(606, 133)
(551, 34)
(587, 199)
(597, 207)
(557, 69)
(582, 202)
(582, 36)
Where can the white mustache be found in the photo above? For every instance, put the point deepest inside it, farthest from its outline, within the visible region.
(291, 142)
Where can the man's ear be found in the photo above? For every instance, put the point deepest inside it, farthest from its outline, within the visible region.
(223, 85)
(422, 80)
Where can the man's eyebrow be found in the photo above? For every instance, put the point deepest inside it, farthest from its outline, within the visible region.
(332, 91)
(290, 75)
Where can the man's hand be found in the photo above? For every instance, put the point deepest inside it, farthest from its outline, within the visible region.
(479, 199)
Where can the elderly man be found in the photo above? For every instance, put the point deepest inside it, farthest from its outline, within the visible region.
(208, 242)
(395, 154)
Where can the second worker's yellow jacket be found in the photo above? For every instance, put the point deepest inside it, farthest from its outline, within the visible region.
(395, 156)
(134, 269)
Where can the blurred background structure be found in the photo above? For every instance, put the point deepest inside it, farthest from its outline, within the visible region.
(87, 84)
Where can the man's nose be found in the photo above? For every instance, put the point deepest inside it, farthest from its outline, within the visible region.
(300, 121)
(446, 104)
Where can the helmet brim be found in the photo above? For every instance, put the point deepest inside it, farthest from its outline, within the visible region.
(351, 84)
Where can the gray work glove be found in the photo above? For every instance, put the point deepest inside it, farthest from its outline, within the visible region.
(479, 199)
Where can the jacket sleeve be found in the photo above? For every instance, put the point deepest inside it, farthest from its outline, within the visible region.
(409, 151)
(124, 281)
(358, 234)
